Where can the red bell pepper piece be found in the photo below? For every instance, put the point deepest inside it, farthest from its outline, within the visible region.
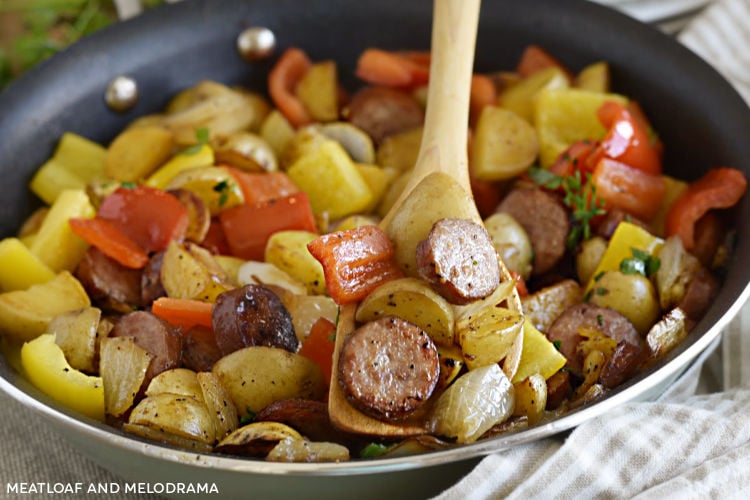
(184, 313)
(108, 238)
(628, 188)
(627, 141)
(247, 228)
(282, 82)
(263, 186)
(148, 216)
(319, 345)
(355, 262)
(718, 188)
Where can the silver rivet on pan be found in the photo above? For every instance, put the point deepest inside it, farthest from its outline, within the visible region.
(122, 93)
(256, 43)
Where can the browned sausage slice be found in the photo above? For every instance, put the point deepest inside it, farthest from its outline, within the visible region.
(623, 364)
(612, 219)
(111, 286)
(611, 323)
(699, 294)
(199, 349)
(154, 335)
(311, 419)
(459, 260)
(544, 219)
(382, 111)
(252, 315)
(388, 368)
(151, 284)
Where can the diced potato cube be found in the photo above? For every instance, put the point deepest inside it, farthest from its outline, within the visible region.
(531, 398)
(75, 162)
(55, 244)
(26, 314)
(332, 181)
(258, 376)
(378, 179)
(137, 152)
(277, 132)
(594, 77)
(288, 251)
(318, 90)
(564, 116)
(520, 98)
(190, 272)
(19, 267)
(504, 145)
(400, 150)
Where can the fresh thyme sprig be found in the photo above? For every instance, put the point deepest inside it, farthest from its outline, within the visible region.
(580, 196)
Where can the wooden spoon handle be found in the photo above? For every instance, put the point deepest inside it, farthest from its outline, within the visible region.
(453, 45)
(444, 140)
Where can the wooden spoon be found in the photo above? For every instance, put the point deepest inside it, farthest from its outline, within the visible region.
(442, 152)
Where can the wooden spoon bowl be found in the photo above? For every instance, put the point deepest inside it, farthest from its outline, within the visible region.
(442, 162)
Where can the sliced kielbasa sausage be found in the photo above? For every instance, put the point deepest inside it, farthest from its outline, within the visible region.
(623, 364)
(388, 368)
(699, 294)
(199, 349)
(252, 315)
(382, 111)
(111, 286)
(311, 419)
(611, 323)
(545, 220)
(458, 259)
(159, 338)
(607, 226)
(151, 284)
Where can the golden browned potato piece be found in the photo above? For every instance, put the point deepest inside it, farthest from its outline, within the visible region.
(137, 152)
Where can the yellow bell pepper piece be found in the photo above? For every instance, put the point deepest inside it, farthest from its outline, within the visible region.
(331, 180)
(564, 116)
(538, 355)
(626, 237)
(203, 157)
(55, 243)
(44, 364)
(25, 314)
(19, 268)
(76, 162)
(215, 186)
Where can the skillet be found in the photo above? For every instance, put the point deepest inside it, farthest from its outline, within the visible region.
(700, 118)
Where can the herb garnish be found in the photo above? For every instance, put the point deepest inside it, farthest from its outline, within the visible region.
(640, 263)
(222, 188)
(247, 418)
(203, 135)
(580, 197)
(373, 450)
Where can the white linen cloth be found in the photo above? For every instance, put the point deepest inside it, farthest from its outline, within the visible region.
(693, 443)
